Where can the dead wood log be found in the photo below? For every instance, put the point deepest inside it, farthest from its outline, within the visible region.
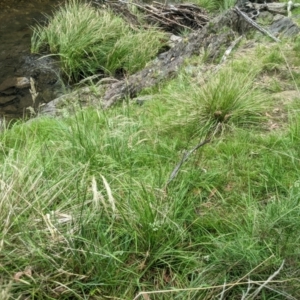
(169, 63)
(166, 66)
(213, 37)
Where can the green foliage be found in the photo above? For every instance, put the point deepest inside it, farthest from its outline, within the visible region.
(296, 45)
(215, 5)
(227, 99)
(84, 207)
(231, 98)
(88, 40)
(86, 212)
(272, 58)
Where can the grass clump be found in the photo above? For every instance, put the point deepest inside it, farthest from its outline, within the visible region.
(88, 40)
(229, 99)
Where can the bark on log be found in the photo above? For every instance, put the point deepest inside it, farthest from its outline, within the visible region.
(168, 63)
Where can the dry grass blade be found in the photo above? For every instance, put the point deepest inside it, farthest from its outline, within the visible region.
(202, 288)
(246, 275)
(265, 283)
(5, 291)
(97, 196)
(109, 194)
(33, 90)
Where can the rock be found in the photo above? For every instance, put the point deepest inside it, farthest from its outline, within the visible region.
(285, 26)
(46, 74)
(173, 40)
(22, 83)
(70, 102)
(15, 96)
(265, 18)
(9, 109)
(17, 82)
(6, 99)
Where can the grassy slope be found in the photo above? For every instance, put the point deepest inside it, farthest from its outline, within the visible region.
(85, 213)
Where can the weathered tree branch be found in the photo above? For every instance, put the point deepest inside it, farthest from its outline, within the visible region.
(185, 158)
(168, 64)
(255, 25)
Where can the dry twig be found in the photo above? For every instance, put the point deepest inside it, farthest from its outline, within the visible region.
(184, 158)
(265, 283)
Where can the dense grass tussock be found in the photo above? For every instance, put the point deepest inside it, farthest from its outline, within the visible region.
(229, 98)
(88, 40)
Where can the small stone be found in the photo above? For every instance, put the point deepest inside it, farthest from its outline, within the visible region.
(174, 39)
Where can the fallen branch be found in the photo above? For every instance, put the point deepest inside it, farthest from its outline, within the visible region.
(158, 16)
(227, 52)
(184, 159)
(273, 7)
(255, 25)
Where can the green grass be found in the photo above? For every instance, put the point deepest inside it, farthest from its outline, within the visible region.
(227, 100)
(86, 211)
(85, 207)
(215, 5)
(88, 40)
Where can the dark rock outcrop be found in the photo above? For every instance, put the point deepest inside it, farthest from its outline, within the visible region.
(284, 26)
